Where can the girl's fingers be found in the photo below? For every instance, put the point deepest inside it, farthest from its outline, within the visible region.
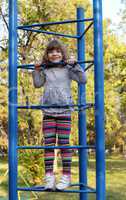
(71, 61)
(38, 67)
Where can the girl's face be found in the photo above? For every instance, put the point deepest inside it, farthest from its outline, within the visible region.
(55, 55)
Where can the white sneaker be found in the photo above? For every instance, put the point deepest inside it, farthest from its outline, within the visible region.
(50, 182)
(65, 182)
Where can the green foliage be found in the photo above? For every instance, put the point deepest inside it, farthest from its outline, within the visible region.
(115, 81)
(32, 161)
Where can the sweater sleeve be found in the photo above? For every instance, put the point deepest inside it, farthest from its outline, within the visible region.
(76, 73)
(39, 78)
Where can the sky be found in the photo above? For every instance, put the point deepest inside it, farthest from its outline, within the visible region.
(111, 9)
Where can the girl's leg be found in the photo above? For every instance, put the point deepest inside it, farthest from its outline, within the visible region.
(49, 131)
(63, 130)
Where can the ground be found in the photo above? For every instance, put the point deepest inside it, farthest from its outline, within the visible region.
(115, 181)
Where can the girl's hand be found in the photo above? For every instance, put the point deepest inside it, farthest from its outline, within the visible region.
(38, 67)
(72, 60)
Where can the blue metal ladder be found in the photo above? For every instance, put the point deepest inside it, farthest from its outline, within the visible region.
(96, 21)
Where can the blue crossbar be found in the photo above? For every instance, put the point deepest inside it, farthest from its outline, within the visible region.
(81, 184)
(55, 23)
(50, 33)
(31, 66)
(39, 107)
(57, 147)
(42, 189)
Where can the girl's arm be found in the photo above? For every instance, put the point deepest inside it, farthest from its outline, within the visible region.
(76, 73)
(39, 77)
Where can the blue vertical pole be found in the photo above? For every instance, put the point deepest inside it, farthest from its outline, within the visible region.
(12, 100)
(99, 100)
(82, 114)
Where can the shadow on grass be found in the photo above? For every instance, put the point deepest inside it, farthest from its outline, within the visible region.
(58, 196)
(111, 195)
(115, 195)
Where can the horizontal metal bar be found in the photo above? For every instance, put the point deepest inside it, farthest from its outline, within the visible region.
(82, 184)
(26, 66)
(51, 33)
(86, 29)
(31, 66)
(55, 23)
(42, 189)
(57, 147)
(86, 61)
(84, 106)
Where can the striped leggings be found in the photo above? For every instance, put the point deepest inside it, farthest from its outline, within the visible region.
(57, 127)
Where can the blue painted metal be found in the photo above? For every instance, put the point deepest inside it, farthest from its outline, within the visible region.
(55, 23)
(12, 100)
(50, 33)
(78, 184)
(31, 66)
(42, 189)
(83, 106)
(82, 114)
(57, 147)
(99, 100)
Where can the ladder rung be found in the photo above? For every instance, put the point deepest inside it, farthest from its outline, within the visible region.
(42, 189)
(31, 66)
(84, 106)
(57, 147)
(55, 23)
(50, 32)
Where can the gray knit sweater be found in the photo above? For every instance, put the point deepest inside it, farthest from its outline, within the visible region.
(57, 87)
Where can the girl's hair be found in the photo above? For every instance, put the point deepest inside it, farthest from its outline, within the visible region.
(54, 44)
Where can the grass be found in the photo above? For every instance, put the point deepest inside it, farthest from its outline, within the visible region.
(115, 181)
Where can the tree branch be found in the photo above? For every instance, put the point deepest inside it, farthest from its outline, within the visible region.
(4, 19)
(4, 49)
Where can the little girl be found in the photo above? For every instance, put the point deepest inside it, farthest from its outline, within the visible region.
(56, 79)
